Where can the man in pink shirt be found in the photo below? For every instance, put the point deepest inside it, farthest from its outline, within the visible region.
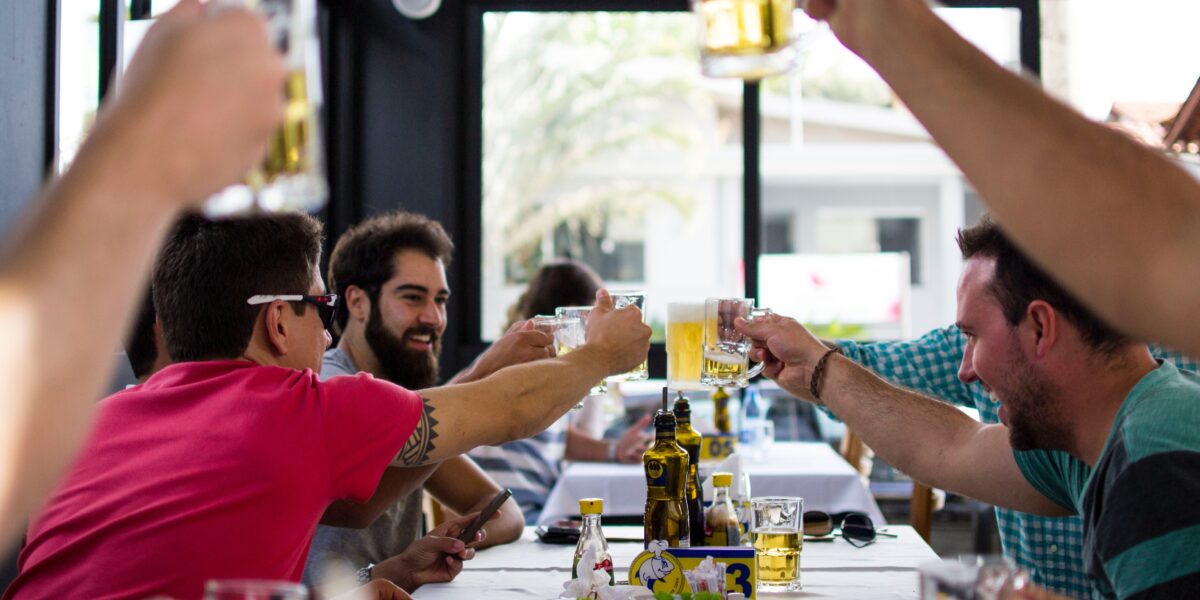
(221, 465)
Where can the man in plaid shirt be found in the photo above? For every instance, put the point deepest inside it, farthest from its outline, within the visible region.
(1049, 547)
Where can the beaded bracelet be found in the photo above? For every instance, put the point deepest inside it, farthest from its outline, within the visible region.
(819, 372)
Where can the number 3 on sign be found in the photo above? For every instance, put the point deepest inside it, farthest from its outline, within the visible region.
(741, 578)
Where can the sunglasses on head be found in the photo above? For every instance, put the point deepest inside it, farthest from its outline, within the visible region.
(326, 304)
(857, 528)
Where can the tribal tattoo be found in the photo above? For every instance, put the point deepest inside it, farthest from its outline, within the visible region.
(416, 450)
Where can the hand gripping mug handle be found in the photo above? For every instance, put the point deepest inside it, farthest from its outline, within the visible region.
(757, 313)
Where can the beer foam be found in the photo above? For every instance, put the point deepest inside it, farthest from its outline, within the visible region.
(683, 312)
(724, 358)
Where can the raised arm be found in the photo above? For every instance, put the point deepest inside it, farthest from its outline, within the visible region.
(1131, 250)
(928, 364)
(522, 400)
(193, 114)
(929, 440)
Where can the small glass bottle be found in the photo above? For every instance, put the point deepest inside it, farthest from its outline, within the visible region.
(591, 536)
(666, 467)
(721, 526)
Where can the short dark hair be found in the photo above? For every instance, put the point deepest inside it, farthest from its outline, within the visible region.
(1018, 282)
(208, 269)
(363, 255)
(561, 282)
(140, 348)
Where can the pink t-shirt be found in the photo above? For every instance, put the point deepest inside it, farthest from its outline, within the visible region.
(211, 470)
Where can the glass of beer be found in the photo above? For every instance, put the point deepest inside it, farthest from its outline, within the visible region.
(292, 176)
(250, 589)
(571, 333)
(624, 300)
(726, 350)
(685, 345)
(750, 39)
(778, 540)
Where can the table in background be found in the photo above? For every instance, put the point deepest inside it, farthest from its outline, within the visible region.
(527, 569)
(811, 470)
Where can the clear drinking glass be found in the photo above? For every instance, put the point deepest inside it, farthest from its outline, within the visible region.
(750, 39)
(571, 333)
(726, 350)
(292, 176)
(622, 300)
(971, 577)
(685, 345)
(775, 523)
(251, 589)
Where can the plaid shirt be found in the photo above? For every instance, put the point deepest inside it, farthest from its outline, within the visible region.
(1050, 548)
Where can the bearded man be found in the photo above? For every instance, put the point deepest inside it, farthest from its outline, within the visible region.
(1093, 424)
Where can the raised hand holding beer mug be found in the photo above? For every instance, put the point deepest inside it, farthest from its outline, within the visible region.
(726, 350)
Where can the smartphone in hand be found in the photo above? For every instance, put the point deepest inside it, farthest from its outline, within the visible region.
(468, 534)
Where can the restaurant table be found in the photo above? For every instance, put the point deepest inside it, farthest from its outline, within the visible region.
(811, 470)
(832, 568)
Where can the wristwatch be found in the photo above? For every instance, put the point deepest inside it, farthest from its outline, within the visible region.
(364, 574)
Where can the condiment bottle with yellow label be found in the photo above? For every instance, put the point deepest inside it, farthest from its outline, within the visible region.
(721, 526)
(666, 466)
(690, 440)
(591, 536)
(720, 400)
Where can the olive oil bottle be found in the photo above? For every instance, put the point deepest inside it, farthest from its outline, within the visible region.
(666, 466)
(690, 440)
(720, 400)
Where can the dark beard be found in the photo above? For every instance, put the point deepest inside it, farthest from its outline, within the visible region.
(1034, 419)
(411, 369)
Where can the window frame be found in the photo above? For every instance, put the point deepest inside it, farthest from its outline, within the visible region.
(752, 215)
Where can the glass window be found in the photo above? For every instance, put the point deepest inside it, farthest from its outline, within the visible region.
(78, 75)
(603, 143)
(853, 175)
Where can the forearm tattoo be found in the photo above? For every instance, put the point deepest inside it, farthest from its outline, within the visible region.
(416, 450)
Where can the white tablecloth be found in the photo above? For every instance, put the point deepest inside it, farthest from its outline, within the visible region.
(812, 471)
(828, 569)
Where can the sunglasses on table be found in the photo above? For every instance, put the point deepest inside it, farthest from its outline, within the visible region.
(857, 528)
(326, 304)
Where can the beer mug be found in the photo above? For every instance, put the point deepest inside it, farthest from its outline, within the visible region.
(726, 350)
(775, 524)
(292, 176)
(971, 577)
(570, 333)
(250, 589)
(750, 39)
(622, 300)
(685, 345)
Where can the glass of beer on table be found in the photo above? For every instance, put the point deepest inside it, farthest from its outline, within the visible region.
(775, 524)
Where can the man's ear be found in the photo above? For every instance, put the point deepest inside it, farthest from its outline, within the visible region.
(358, 303)
(276, 326)
(1043, 323)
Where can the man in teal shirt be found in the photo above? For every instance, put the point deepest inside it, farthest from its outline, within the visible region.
(1050, 548)
(1096, 426)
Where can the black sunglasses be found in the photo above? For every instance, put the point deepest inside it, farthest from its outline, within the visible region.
(326, 304)
(855, 527)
